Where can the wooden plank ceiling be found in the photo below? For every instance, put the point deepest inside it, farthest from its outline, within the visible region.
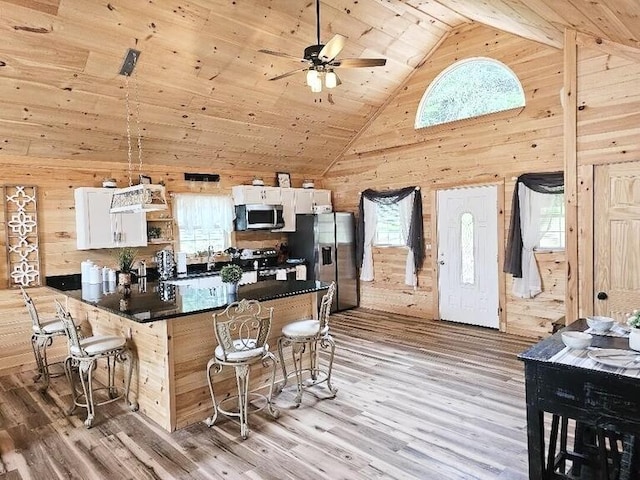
(205, 98)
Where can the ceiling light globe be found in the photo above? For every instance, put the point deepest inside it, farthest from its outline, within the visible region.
(331, 79)
(312, 77)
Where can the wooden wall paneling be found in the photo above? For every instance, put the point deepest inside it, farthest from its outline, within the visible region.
(585, 240)
(476, 151)
(570, 95)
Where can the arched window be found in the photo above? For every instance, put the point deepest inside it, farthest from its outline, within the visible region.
(469, 88)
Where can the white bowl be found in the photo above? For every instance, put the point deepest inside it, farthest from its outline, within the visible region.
(600, 324)
(577, 340)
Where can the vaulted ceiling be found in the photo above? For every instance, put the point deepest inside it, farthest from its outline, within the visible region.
(203, 87)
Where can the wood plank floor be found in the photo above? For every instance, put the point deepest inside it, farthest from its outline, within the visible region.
(429, 400)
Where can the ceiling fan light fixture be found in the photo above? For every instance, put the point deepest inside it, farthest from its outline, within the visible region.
(331, 79)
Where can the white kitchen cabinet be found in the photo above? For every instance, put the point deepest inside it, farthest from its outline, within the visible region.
(250, 194)
(307, 198)
(96, 227)
(288, 198)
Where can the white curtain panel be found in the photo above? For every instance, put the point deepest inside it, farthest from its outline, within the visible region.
(370, 223)
(531, 206)
(405, 207)
(212, 212)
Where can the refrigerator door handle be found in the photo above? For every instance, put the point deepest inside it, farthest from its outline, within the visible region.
(326, 256)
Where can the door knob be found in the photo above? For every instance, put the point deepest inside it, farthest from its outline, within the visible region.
(602, 295)
(441, 262)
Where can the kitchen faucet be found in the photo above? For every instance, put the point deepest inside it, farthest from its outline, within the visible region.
(210, 263)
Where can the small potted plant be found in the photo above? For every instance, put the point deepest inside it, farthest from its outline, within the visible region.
(231, 275)
(633, 321)
(125, 257)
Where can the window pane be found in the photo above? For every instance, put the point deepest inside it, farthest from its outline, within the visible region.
(466, 249)
(388, 230)
(552, 225)
(469, 88)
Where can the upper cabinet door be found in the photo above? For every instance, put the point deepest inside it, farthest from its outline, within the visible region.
(96, 227)
(321, 197)
(250, 195)
(287, 196)
(304, 200)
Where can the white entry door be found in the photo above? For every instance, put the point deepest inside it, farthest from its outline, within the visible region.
(468, 255)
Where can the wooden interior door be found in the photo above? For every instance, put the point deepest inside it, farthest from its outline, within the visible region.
(617, 239)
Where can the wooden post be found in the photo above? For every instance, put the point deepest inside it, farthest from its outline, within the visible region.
(571, 174)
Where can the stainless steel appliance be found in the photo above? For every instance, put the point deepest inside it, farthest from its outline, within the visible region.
(258, 217)
(327, 241)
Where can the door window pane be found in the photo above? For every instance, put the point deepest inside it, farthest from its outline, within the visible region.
(466, 249)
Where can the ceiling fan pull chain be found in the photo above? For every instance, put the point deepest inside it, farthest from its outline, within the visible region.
(126, 97)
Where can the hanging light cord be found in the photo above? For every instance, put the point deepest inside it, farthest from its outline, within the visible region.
(126, 97)
(135, 84)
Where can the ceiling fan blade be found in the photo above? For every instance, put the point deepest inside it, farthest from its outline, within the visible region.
(332, 48)
(359, 62)
(292, 72)
(281, 54)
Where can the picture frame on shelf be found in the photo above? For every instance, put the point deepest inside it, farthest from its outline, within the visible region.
(284, 179)
(145, 179)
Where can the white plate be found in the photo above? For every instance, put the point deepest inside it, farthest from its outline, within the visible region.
(616, 358)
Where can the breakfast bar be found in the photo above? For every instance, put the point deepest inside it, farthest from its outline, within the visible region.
(170, 331)
(570, 384)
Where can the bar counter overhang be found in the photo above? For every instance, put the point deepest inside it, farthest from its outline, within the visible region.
(170, 332)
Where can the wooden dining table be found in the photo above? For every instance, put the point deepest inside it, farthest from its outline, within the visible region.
(597, 395)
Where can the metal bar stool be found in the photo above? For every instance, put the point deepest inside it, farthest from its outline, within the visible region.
(242, 332)
(308, 334)
(84, 354)
(42, 334)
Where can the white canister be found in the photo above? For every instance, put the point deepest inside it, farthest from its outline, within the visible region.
(85, 271)
(95, 275)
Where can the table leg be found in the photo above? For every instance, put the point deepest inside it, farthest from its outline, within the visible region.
(535, 429)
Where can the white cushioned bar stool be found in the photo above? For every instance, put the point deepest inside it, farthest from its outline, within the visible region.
(308, 334)
(82, 361)
(42, 334)
(242, 332)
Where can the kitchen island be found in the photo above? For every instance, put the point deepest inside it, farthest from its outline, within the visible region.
(170, 331)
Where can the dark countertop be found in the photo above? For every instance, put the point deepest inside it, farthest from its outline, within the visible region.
(150, 301)
(547, 348)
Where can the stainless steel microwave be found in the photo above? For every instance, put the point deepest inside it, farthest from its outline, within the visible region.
(258, 217)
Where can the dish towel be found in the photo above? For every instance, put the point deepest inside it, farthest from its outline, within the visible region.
(281, 274)
(301, 272)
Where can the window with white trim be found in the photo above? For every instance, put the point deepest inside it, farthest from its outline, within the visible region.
(388, 228)
(204, 221)
(469, 88)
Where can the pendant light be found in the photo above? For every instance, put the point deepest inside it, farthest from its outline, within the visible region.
(141, 197)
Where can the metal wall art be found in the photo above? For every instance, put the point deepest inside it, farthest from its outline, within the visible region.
(21, 226)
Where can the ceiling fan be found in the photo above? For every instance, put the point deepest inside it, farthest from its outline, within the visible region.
(321, 60)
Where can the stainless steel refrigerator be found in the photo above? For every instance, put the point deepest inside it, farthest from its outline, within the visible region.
(328, 242)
